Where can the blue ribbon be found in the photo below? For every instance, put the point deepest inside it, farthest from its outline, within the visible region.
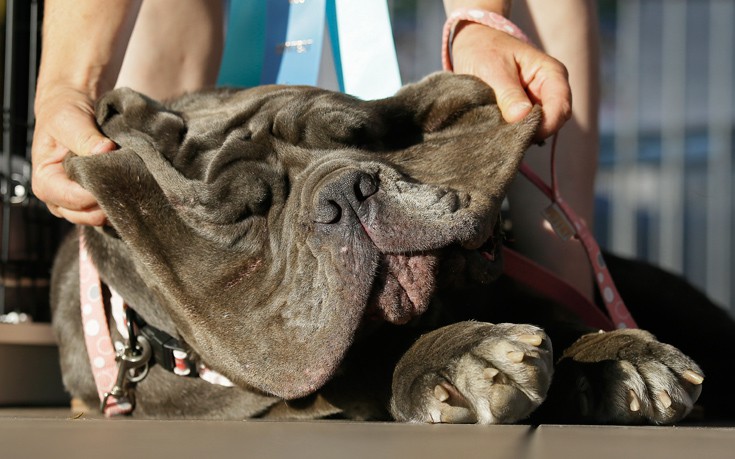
(294, 41)
(362, 44)
(364, 51)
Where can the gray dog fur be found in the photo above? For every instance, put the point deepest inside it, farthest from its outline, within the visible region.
(301, 241)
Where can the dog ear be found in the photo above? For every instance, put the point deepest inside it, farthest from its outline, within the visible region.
(187, 182)
(464, 143)
(436, 101)
(122, 112)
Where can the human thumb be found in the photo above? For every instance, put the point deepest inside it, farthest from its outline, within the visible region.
(513, 103)
(101, 145)
(92, 142)
(81, 136)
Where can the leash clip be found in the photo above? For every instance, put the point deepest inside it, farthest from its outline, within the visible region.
(132, 367)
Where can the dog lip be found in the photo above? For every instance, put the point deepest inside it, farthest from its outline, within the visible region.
(403, 288)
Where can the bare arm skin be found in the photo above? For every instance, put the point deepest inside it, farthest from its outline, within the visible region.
(80, 59)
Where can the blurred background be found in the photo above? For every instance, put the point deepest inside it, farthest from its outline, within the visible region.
(665, 190)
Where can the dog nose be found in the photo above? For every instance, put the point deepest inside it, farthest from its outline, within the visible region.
(347, 190)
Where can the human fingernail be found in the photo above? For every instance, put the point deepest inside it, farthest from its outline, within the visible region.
(103, 146)
(518, 110)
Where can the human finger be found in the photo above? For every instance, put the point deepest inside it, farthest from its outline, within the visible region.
(90, 217)
(74, 127)
(51, 185)
(487, 53)
(549, 87)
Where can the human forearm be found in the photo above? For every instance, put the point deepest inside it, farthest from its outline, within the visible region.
(83, 46)
(84, 43)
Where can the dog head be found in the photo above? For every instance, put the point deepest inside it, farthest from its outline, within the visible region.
(272, 222)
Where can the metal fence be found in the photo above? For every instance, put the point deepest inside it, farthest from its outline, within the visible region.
(28, 233)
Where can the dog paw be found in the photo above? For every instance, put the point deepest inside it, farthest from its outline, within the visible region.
(473, 372)
(627, 377)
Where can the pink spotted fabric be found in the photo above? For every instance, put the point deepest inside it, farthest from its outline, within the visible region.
(97, 338)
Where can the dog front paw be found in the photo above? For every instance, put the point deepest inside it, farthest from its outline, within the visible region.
(627, 377)
(473, 372)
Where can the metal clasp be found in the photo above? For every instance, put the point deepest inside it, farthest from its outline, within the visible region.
(132, 367)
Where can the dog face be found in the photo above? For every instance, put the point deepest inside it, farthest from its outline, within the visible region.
(272, 222)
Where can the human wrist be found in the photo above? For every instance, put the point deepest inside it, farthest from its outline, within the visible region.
(462, 19)
(50, 90)
(84, 79)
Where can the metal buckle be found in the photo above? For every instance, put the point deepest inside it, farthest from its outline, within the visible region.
(132, 368)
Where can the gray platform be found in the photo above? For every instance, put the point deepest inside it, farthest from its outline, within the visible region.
(58, 434)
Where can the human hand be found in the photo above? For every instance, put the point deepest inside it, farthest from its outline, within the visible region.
(520, 74)
(65, 122)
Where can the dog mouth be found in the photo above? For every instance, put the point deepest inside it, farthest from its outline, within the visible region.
(405, 283)
(403, 287)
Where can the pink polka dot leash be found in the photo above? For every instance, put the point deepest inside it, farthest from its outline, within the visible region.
(107, 373)
(566, 223)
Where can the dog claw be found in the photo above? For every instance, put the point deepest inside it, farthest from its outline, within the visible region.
(490, 373)
(533, 340)
(457, 415)
(516, 356)
(664, 398)
(693, 377)
(440, 393)
(635, 403)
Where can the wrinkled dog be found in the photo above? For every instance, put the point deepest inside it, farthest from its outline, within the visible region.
(334, 257)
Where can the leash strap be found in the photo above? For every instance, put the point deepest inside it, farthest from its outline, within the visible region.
(547, 284)
(100, 349)
(566, 223)
(145, 346)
